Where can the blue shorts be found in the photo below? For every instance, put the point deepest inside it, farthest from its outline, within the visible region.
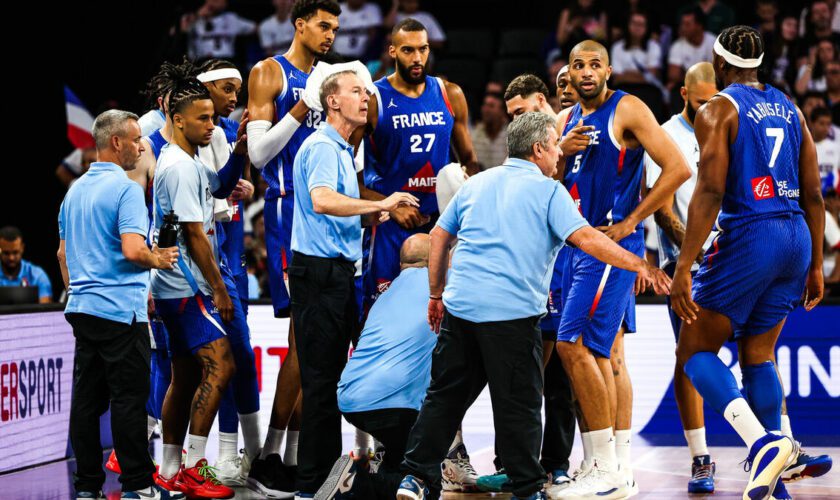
(158, 329)
(278, 215)
(241, 281)
(596, 299)
(381, 256)
(192, 323)
(755, 274)
(237, 330)
(551, 321)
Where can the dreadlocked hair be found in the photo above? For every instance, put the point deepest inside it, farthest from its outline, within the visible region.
(185, 88)
(162, 83)
(213, 64)
(743, 41)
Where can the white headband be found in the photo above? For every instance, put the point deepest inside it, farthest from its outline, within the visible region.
(219, 74)
(734, 60)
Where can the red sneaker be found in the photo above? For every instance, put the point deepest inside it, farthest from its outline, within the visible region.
(171, 484)
(112, 464)
(200, 482)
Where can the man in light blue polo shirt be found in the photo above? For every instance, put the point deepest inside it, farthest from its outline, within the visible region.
(509, 223)
(326, 242)
(104, 262)
(18, 271)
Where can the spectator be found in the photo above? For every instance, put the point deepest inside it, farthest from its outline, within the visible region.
(718, 14)
(828, 148)
(832, 82)
(489, 135)
(583, 20)
(829, 11)
(618, 12)
(74, 165)
(276, 32)
(781, 51)
(359, 21)
(811, 74)
(636, 58)
(16, 270)
(411, 8)
(212, 31)
(818, 25)
(766, 12)
(693, 46)
(494, 87)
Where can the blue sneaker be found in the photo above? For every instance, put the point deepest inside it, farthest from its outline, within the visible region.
(768, 458)
(702, 475)
(806, 466)
(559, 477)
(495, 483)
(340, 481)
(780, 492)
(412, 488)
(540, 495)
(88, 495)
(153, 493)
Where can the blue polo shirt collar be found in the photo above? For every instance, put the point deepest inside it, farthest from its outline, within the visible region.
(520, 163)
(105, 166)
(333, 134)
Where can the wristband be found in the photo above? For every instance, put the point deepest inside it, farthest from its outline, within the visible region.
(432, 297)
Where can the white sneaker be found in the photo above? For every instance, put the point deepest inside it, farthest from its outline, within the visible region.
(245, 465)
(228, 471)
(598, 481)
(632, 486)
(457, 473)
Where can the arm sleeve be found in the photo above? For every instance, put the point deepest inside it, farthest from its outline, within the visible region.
(40, 279)
(132, 216)
(181, 186)
(449, 220)
(322, 166)
(563, 215)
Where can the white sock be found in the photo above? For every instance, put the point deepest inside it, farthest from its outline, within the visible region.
(741, 417)
(696, 439)
(603, 448)
(171, 460)
(151, 422)
(786, 430)
(586, 439)
(273, 442)
(196, 446)
(290, 456)
(459, 440)
(228, 445)
(250, 424)
(622, 449)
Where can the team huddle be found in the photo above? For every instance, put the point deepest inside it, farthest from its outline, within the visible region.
(383, 235)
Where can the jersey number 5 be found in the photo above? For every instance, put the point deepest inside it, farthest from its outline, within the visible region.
(778, 135)
(417, 140)
(576, 166)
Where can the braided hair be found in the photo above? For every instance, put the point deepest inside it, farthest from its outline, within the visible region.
(185, 88)
(213, 64)
(162, 83)
(743, 41)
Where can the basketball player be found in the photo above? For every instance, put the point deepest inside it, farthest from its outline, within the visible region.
(759, 176)
(280, 122)
(192, 299)
(412, 120)
(699, 88)
(605, 180)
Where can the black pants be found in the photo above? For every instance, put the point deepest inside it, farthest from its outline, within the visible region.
(559, 435)
(325, 315)
(390, 427)
(112, 365)
(507, 355)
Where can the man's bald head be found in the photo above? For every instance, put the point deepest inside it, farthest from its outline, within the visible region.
(415, 251)
(702, 72)
(590, 46)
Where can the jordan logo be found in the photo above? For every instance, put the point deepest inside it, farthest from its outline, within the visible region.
(735, 415)
(391, 104)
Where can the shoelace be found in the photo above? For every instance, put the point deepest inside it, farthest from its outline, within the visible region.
(702, 472)
(747, 464)
(464, 463)
(209, 473)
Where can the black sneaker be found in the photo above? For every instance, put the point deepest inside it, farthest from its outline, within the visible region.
(268, 477)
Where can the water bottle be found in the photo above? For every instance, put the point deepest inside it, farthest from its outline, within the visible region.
(168, 234)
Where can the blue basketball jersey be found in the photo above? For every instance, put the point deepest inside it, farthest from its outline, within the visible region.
(763, 176)
(278, 172)
(156, 141)
(605, 179)
(411, 142)
(232, 235)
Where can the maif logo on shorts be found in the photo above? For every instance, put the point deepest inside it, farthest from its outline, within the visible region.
(762, 187)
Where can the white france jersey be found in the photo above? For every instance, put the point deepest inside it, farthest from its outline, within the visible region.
(683, 134)
(828, 158)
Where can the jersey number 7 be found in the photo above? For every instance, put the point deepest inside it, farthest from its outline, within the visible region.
(778, 135)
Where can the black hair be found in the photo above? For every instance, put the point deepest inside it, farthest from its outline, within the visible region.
(185, 88)
(212, 64)
(645, 38)
(408, 24)
(813, 94)
(162, 83)
(819, 112)
(743, 41)
(10, 233)
(525, 85)
(698, 14)
(305, 9)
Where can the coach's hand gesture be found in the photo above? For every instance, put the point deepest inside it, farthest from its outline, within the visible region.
(576, 140)
(166, 257)
(409, 217)
(396, 200)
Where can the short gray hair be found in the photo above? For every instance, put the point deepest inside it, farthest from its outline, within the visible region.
(526, 130)
(109, 124)
(330, 86)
